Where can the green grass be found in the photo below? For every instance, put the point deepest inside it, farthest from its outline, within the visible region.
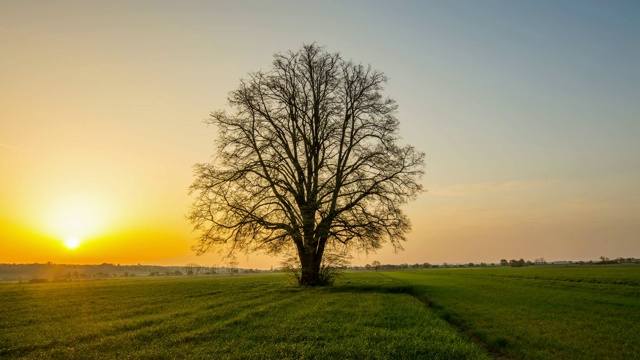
(365, 316)
(518, 313)
(539, 312)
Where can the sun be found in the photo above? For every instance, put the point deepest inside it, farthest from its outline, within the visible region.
(72, 243)
(74, 219)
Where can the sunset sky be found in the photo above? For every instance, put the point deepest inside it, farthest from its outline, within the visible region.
(528, 112)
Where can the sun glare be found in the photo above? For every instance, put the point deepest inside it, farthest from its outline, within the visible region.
(72, 243)
(74, 218)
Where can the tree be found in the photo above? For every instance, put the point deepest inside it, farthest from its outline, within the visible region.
(504, 262)
(232, 262)
(192, 269)
(376, 264)
(517, 263)
(308, 161)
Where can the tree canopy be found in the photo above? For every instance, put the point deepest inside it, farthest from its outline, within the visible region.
(307, 160)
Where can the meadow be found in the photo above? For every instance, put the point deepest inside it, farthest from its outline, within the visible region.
(544, 312)
(241, 317)
(475, 313)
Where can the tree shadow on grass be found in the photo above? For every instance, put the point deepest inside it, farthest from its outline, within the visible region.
(494, 346)
(370, 288)
(418, 292)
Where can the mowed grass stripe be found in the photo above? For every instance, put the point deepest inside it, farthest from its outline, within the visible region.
(536, 313)
(365, 316)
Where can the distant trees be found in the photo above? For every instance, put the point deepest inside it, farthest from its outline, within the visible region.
(65, 272)
(517, 263)
(375, 264)
(606, 261)
(188, 269)
(232, 262)
(308, 162)
(522, 262)
(192, 269)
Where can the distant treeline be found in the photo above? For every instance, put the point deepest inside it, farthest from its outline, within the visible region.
(541, 261)
(375, 265)
(64, 272)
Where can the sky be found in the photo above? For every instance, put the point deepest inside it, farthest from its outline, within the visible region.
(528, 113)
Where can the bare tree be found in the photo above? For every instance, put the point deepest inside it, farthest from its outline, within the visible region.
(190, 268)
(206, 270)
(308, 160)
(232, 262)
(376, 265)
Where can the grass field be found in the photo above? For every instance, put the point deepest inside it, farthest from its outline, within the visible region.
(527, 313)
(539, 312)
(256, 317)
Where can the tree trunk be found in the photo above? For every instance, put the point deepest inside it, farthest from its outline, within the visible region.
(310, 272)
